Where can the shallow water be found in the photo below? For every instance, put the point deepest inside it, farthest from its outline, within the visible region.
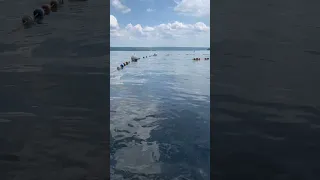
(160, 116)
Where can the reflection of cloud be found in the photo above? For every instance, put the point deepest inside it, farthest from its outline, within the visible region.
(139, 158)
(132, 121)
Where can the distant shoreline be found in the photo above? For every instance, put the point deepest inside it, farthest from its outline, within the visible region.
(158, 48)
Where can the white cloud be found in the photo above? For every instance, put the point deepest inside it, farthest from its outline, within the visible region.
(117, 4)
(150, 10)
(113, 22)
(114, 26)
(174, 34)
(193, 7)
(148, 29)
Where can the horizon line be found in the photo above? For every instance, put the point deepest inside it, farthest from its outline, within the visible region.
(163, 46)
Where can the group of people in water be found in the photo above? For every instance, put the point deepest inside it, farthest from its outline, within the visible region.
(198, 59)
(155, 54)
(39, 13)
(123, 65)
(133, 59)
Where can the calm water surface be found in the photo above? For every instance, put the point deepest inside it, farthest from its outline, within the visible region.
(160, 116)
(266, 106)
(53, 92)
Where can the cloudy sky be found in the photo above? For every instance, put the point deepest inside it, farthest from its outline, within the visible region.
(144, 23)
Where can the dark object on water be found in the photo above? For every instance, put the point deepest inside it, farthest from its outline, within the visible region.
(118, 68)
(46, 8)
(134, 58)
(27, 21)
(38, 15)
(54, 5)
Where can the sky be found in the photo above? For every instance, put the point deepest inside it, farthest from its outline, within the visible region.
(159, 23)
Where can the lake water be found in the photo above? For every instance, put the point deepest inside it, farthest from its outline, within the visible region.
(160, 115)
(54, 96)
(265, 91)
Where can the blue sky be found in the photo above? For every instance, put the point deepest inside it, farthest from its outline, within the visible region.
(160, 23)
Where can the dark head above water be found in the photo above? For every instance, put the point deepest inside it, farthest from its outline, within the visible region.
(38, 15)
(54, 5)
(46, 8)
(27, 21)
